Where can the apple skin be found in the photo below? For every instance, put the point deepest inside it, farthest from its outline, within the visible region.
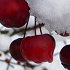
(8, 8)
(15, 50)
(16, 15)
(38, 48)
(65, 55)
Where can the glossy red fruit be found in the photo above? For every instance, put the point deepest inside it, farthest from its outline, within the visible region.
(38, 48)
(15, 50)
(65, 55)
(16, 13)
(8, 8)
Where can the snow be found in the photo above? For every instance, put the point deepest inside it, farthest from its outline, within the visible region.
(5, 42)
(54, 13)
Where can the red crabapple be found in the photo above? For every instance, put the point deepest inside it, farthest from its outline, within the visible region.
(15, 50)
(14, 13)
(38, 48)
(65, 56)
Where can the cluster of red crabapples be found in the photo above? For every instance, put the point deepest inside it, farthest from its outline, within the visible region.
(38, 48)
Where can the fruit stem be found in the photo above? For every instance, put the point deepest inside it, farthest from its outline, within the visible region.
(25, 29)
(40, 28)
(35, 26)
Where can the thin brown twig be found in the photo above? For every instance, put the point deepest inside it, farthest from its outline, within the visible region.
(9, 64)
(21, 30)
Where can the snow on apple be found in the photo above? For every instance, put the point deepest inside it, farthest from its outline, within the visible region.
(54, 13)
